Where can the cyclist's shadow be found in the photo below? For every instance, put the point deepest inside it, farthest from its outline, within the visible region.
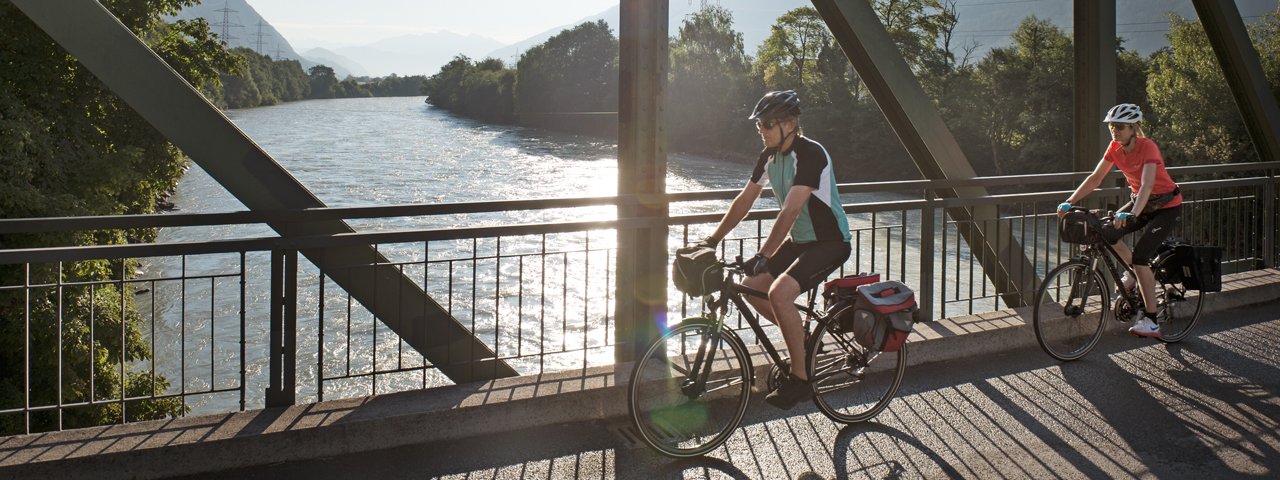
(678, 468)
(888, 464)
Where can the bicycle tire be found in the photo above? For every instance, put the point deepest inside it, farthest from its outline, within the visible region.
(851, 383)
(1179, 309)
(671, 414)
(1069, 331)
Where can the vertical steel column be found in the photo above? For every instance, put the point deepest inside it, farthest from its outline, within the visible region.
(1243, 70)
(642, 169)
(1094, 26)
(932, 147)
(1269, 222)
(283, 350)
(138, 76)
(928, 217)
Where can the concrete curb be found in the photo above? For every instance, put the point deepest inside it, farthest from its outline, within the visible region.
(219, 442)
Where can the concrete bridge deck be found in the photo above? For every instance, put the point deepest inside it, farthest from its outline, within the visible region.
(243, 442)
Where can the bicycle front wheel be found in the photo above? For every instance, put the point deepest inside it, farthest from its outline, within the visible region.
(1069, 310)
(689, 390)
(851, 383)
(1179, 308)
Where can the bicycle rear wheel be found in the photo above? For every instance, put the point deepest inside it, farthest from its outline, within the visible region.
(679, 406)
(1179, 308)
(851, 383)
(1069, 310)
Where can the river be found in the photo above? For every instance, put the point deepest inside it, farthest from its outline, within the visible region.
(382, 151)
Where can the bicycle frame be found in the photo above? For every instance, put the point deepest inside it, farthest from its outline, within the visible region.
(732, 292)
(1106, 254)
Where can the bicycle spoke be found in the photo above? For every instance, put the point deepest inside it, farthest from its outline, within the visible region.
(1069, 309)
(689, 391)
(728, 383)
(845, 388)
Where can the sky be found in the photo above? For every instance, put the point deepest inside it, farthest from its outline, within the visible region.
(339, 23)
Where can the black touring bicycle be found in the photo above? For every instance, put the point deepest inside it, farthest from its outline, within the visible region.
(689, 389)
(1075, 297)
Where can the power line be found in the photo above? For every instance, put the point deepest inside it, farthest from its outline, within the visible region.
(260, 35)
(998, 32)
(997, 3)
(226, 23)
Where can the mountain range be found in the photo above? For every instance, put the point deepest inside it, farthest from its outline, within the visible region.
(983, 24)
(420, 54)
(238, 24)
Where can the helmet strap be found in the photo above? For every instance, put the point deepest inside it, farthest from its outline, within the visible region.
(783, 136)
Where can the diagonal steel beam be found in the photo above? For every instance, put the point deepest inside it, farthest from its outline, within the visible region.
(1094, 29)
(1243, 70)
(932, 147)
(88, 31)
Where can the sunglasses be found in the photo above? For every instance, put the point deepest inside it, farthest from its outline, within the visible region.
(1119, 127)
(766, 124)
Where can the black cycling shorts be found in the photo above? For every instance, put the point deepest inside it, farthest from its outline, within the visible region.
(809, 263)
(1159, 224)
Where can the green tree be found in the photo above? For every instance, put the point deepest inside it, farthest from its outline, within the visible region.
(324, 83)
(711, 85)
(483, 90)
(917, 28)
(397, 86)
(789, 55)
(350, 89)
(71, 147)
(444, 89)
(261, 81)
(574, 71)
(1193, 116)
(294, 82)
(1029, 88)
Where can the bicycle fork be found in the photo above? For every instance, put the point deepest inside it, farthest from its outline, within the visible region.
(1070, 309)
(696, 384)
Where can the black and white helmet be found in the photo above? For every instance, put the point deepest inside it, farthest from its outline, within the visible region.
(777, 104)
(1124, 113)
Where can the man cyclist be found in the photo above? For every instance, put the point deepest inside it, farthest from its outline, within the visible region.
(1155, 204)
(809, 238)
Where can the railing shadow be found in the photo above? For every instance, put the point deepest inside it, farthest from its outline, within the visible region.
(895, 468)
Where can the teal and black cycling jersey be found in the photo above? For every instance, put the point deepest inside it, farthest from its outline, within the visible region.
(806, 163)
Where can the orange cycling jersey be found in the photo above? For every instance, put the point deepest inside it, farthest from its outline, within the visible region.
(1144, 151)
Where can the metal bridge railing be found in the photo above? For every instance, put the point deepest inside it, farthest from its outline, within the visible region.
(241, 323)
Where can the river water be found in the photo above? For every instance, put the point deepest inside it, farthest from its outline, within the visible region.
(382, 151)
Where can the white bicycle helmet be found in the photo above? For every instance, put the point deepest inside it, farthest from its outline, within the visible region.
(1124, 113)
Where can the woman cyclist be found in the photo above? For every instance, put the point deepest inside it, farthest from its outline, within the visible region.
(809, 239)
(1155, 204)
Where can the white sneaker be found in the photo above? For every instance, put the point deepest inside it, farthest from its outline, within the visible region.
(1144, 327)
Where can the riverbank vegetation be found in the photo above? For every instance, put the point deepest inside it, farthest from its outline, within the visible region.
(257, 80)
(1010, 110)
(72, 148)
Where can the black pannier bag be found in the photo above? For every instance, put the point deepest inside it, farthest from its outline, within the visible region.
(1201, 266)
(697, 271)
(1080, 226)
(838, 296)
(884, 315)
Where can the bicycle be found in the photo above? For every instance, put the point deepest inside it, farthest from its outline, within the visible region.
(689, 390)
(1073, 299)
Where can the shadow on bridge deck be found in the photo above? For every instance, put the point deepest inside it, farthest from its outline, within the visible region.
(214, 443)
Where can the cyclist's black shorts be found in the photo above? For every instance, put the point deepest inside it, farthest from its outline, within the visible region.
(809, 263)
(1159, 224)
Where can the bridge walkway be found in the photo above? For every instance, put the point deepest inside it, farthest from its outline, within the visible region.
(577, 420)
